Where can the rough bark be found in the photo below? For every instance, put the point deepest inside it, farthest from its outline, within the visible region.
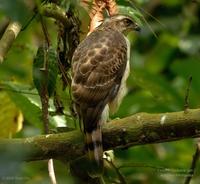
(138, 129)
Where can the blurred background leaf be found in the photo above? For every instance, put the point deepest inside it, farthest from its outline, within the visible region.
(16, 10)
(11, 118)
(163, 57)
(31, 111)
(39, 77)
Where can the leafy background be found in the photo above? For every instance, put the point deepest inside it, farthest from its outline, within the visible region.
(163, 57)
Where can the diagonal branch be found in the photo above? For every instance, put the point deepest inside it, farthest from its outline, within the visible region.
(138, 129)
(14, 28)
(8, 38)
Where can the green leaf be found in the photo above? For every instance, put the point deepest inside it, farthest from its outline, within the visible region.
(134, 13)
(141, 101)
(52, 70)
(31, 112)
(16, 10)
(160, 56)
(186, 68)
(11, 118)
(160, 89)
(38, 75)
(40, 78)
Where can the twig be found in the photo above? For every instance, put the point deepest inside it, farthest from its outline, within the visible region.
(44, 96)
(29, 22)
(46, 35)
(186, 104)
(51, 171)
(193, 165)
(119, 174)
(144, 19)
(8, 38)
(140, 165)
(45, 114)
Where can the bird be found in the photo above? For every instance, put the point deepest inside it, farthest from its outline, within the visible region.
(100, 68)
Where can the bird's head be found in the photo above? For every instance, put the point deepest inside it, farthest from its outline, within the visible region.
(122, 23)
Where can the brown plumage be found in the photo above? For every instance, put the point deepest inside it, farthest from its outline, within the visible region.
(99, 71)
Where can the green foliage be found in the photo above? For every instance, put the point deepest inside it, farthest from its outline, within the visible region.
(134, 13)
(45, 70)
(30, 110)
(160, 69)
(16, 10)
(11, 119)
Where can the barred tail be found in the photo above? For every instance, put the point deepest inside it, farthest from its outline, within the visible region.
(95, 152)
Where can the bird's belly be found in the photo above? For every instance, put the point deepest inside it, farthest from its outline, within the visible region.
(115, 103)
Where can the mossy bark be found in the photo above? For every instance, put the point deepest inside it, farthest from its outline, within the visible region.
(138, 129)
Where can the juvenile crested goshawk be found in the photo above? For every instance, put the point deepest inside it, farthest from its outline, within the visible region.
(100, 67)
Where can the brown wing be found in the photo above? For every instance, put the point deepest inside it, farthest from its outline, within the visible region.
(98, 66)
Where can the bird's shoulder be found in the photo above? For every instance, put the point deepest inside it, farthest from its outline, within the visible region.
(98, 64)
(101, 45)
(97, 40)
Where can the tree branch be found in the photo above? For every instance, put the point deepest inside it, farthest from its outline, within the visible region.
(138, 129)
(8, 37)
(13, 29)
(54, 11)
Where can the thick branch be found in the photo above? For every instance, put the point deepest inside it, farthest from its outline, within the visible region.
(139, 129)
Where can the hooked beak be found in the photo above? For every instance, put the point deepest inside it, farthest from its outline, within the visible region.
(136, 27)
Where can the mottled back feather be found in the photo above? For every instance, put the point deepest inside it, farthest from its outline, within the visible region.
(98, 66)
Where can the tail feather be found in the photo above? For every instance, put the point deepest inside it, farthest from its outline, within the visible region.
(95, 152)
